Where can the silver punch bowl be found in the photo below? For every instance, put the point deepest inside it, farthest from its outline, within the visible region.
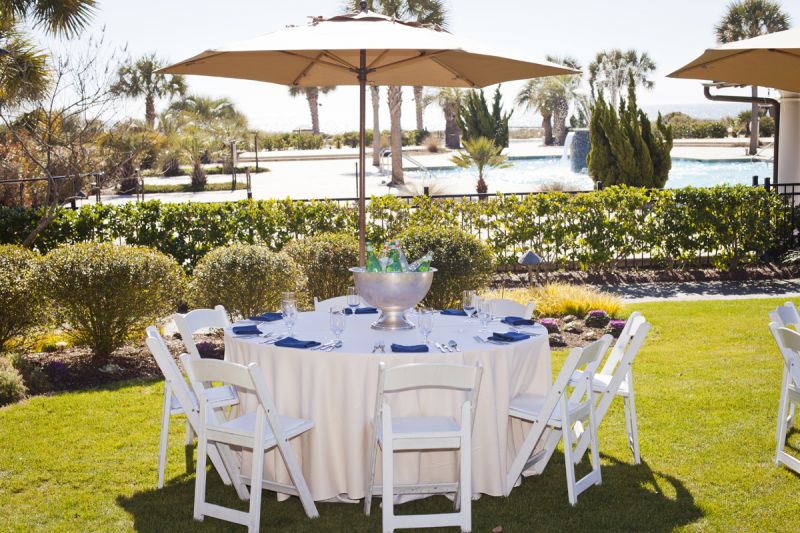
(392, 293)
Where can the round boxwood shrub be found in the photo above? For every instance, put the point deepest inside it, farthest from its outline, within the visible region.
(462, 262)
(106, 292)
(247, 279)
(325, 260)
(12, 388)
(20, 302)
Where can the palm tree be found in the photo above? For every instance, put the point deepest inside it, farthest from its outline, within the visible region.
(396, 135)
(312, 96)
(432, 13)
(746, 19)
(206, 108)
(610, 69)
(57, 17)
(375, 92)
(566, 94)
(449, 99)
(139, 78)
(481, 153)
(542, 94)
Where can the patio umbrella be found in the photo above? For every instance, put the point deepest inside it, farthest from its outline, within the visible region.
(771, 60)
(360, 49)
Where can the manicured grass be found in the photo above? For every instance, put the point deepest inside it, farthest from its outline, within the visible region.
(187, 187)
(707, 384)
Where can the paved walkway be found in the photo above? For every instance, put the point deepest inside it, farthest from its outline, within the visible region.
(705, 290)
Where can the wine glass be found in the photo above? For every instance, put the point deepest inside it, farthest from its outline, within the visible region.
(485, 314)
(425, 322)
(468, 302)
(337, 322)
(289, 312)
(353, 299)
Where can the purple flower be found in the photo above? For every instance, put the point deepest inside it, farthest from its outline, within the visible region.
(550, 324)
(616, 324)
(204, 347)
(598, 313)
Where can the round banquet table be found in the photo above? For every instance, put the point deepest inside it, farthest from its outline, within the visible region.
(337, 391)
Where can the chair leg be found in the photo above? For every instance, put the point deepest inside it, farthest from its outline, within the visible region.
(200, 478)
(164, 438)
(783, 408)
(387, 498)
(370, 476)
(569, 463)
(633, 429)
(790, 418)
(595, 449)
(256, 480)
(299, 480)
(189, 434)
(465, 481)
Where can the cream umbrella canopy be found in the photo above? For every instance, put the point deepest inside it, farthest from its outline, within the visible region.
(771, 60)
(360, 49)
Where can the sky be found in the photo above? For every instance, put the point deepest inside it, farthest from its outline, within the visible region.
(673, 32)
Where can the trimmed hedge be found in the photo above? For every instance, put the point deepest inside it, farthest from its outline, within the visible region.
(20, 301)
(673, 227)
(325, 260)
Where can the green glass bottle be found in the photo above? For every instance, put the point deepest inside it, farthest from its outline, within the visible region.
(423, 264)
(373, 265)
(394, 260)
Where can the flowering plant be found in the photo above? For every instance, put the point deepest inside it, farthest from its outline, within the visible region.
(550, 324)
(597, 319)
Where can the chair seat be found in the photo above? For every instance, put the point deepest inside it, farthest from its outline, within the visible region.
(528, 407)
(601, 383)
(424, 432)
(217, 396)
(244, 426)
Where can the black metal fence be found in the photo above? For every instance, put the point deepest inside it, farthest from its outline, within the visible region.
(787, 227)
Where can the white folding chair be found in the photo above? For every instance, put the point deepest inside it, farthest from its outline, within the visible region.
(198, 319)
(505, 307)
(325, 305)
(423, 433)
(259, 430)
(788, 342)
(180, 400)
(787, 316)
(616, 379)
(560, 412)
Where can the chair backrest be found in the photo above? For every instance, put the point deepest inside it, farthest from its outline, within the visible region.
(250, 378)
(586, 359)
(325, 305)
(198, 319)
(786, 315)
(506, 307)
(788, 342)
(416, 376)
(632, 325)
(169, 368)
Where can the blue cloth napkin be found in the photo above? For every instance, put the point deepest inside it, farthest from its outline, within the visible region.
(267, 317)
(291, 342)
(417, 348)
(454, 312)
(517, 321)
(509, 336)
(362, 311)
(249, 329)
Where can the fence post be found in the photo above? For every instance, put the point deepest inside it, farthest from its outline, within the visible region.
(426, 191)
(256, 145)
(755, 181)
(599, 185)
(249, 188)
(767, 183)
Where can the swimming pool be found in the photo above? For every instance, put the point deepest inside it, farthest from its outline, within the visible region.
(533, 173)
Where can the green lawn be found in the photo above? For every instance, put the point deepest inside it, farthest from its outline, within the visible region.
(707, 385)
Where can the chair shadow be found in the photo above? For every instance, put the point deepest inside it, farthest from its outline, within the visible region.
(631, 498)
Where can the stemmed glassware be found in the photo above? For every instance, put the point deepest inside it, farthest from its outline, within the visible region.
(425, 322)
(485, 314)
(337, 322)
(353, 299)
(289, 312)
(468, 302)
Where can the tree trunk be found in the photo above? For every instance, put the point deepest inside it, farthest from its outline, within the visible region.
(376, 125)
(312, 95)
(420, 107)
(452, 133)
(547, 124)
(149, 111)
(395, 105)
(754, 128)
(560, 123)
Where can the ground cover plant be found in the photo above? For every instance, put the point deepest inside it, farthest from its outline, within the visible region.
(707, 383)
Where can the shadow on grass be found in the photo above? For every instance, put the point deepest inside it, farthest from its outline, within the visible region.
(631, 498)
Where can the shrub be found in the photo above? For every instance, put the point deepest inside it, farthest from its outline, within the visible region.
(462, 261)
(246, 279)
(561, 299)
(432, 143)
(324, 261)
(20, 302)
(33, 376)
(106, 292)
(12, 388)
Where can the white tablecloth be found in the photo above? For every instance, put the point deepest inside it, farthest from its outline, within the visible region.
(337, 391)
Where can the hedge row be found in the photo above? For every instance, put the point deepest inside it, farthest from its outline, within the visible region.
(673, 227)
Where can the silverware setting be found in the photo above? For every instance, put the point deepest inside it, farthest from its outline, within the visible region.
(335, 345)
(323, 345)
(453, 345)
(379, 345)
(490, 341)
(274, 337)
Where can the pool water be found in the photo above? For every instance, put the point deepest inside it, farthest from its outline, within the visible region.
(532, 173)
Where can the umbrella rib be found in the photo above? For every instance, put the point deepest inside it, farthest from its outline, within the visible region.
(341, 61)
(319, 61)
(380, 56)
(424, 54)
(454, 73)
(785, 52)
(723, 58)
(307, 68)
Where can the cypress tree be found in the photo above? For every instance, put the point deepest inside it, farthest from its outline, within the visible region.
(475, 120)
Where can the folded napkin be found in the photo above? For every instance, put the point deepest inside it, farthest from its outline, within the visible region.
(417, 348)
(509, 336)
(454, 312)
(267, 317)
(518, 321)
(249, 329)
(362, 311)
(291, 342)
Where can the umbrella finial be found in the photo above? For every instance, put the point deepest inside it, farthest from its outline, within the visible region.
(363, 6)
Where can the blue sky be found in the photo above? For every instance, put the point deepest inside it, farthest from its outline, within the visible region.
(673, 32)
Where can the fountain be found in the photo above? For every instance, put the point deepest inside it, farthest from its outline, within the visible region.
(577, 146)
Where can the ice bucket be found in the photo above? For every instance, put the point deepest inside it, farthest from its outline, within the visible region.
(392, 293)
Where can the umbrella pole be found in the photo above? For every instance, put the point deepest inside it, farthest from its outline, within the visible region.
(362, 158)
